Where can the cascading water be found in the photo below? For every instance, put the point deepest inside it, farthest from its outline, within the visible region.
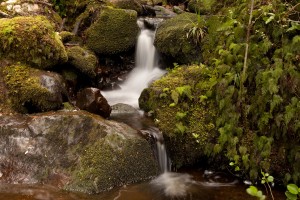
(168, 184)
(146, 70)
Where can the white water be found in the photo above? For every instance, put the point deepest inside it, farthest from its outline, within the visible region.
(146, 71)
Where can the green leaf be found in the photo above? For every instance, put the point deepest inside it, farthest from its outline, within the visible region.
(270, 179)
(252, 190)
(172, 105)
(293, 189)
(175, 96)
(180, 115)
(231, 163)
(271, 18)
(290, 196)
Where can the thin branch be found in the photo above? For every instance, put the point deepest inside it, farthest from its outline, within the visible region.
(293, 8)
(3, 14)
(245, 66)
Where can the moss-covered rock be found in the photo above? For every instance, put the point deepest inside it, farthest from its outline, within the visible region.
(32, 90)
(83, 60)
(113, 32)
(82, 151)
(185, 119)
(31, 40)
(128, 4)
(202, 7)
(66, 36)
(171, 39)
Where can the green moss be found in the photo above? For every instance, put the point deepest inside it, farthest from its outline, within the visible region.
(202, 6)
(66, 36)
(83, 60)
(191, 132)
(128, 4)
(31, 40)
(25, 90)
(114, 31)
(112, 161)
(171, 38)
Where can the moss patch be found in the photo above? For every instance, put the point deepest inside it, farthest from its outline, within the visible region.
(25, 90)
(83, 60)
(31, 40)
(171, 39)
(111, 162)
(115, 31)
(186, 120)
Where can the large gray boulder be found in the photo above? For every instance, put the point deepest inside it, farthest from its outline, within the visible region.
(74, 150)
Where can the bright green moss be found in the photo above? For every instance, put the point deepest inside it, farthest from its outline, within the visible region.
(115, 31)
(191, 133)
(25, 91)
(83, 60)
(31, 40)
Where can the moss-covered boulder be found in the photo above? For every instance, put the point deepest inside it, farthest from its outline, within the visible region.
(128, 4)
(113, 32)
(84, 60)
(181, 113)
(31, 90)
(74, 150)
(171, 38)
(31, 40)
(202, 7)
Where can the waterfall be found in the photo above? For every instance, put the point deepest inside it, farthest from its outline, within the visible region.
(146, 71)
(161, 153)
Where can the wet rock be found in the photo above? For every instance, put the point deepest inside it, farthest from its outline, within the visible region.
(32, 90)
(128, 4)
(31, 40)
(118, 30)
(81, 151)
(170, 42)
(161, 11)
(84, 60)
(91, 99)
(124, 108)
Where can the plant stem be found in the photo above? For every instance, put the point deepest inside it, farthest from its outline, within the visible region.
(270, 189)
(245, 66)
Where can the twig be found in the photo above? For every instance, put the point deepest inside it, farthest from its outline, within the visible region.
(245, 66)
(3, 14)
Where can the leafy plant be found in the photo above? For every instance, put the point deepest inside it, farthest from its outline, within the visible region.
(293, 192)
(253, 191)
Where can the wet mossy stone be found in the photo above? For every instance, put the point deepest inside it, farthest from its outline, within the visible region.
(188, 125)
(83, 151)
(83, 60)
(202, 7)
(171, 39)
(113, 32)
(128, 4)
(31, 40)
(32, 90)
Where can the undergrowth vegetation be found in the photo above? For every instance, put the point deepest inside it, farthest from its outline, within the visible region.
(250, 81)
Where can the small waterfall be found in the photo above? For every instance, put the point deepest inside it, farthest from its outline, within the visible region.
(146, 71)
(161, 153)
